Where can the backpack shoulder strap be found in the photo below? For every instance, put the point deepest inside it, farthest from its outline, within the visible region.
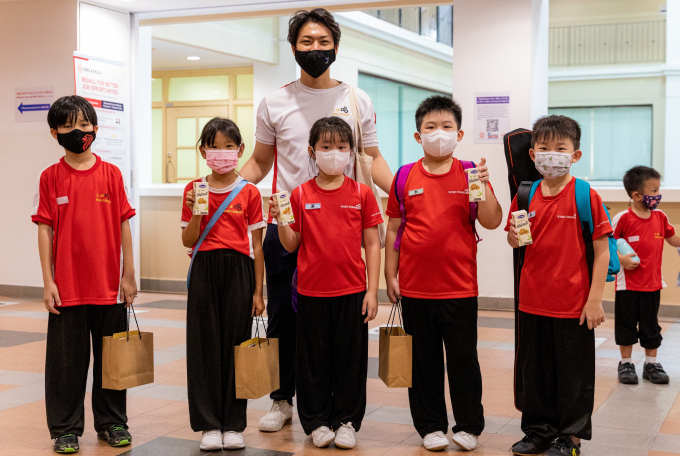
(525, 193)
(400, 193)
(582, 196)
(582, 193)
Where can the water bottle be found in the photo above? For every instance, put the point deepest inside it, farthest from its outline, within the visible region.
(624, 248)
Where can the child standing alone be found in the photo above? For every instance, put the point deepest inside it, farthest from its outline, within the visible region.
(332, 214)
(83, 217)
(225, 288)
(639, 283)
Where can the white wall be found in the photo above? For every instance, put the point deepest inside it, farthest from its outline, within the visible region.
(492, 43)
(39, 38)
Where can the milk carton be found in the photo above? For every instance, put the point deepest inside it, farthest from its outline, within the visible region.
(201, 193)
(521, 219)
(476, 188)
(285, 209)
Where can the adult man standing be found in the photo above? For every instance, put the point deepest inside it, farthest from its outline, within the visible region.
(284, 119)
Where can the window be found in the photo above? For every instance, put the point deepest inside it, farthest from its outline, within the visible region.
(613, 140)
(182, 103)
(395, 107)
(434, 22)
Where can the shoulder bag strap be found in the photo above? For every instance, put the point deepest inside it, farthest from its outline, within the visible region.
(220, 210)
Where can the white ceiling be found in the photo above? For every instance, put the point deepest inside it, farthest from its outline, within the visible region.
(173, 56)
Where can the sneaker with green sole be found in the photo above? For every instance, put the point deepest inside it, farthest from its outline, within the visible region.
(116, 436)
(67, 443)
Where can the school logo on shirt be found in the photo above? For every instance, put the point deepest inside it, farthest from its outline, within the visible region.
(344, 111)
(234, 209)
(102, 198)
(567, 216)
(357, 207)
(658, 236)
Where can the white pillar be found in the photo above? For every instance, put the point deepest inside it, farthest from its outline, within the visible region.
(493, 43)
(539, 58)
(671, 173)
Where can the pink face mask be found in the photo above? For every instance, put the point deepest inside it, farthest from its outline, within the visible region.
(221, 161)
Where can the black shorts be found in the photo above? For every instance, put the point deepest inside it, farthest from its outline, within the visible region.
(637, 317)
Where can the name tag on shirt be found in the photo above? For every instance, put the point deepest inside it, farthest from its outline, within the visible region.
(418, 191)
(62, 200)
(634, 239)
(531, 214)
(313, 206)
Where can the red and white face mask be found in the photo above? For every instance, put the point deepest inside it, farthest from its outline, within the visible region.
(222, 161)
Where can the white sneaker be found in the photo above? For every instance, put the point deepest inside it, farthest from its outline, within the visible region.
(212, 440)
(280, 414)
(464, 440)
(344, 437)
(322, 436)
(233, 440)
(435, 441)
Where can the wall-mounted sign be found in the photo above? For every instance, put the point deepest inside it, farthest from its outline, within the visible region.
(492, 117)
(32, 103)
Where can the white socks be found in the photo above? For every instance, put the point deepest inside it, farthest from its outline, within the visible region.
(650, 360)
(627, 360)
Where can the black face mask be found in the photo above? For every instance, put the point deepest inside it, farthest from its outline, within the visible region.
(315, 63)
(76, 141)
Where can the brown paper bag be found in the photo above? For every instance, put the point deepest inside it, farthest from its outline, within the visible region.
(127, 361)
(395, 357)
(256, 367)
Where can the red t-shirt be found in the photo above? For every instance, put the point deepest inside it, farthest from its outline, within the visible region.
(555, 280)
(331, 224)
(438, 253)
(86, 210)
(232, 229)
(646, 237)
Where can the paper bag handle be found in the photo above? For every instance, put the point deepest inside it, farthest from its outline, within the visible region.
(257, 329)
(391, 320)
(128, 322)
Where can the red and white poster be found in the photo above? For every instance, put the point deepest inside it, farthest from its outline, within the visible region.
(102, 83)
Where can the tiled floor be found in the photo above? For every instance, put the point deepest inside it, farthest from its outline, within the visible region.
(642, 420)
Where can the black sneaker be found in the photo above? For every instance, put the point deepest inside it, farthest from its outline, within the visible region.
(564, 446)
(655, 373)
(67, 443)
(530, 444)
(627, 374)
(116, 436)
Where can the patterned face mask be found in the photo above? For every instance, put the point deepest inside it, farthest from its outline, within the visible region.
(651, 202)
(553, 164)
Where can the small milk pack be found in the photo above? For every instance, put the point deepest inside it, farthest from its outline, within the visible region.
(285, 209)
(476, 187)
(521, 219)
(201, 193)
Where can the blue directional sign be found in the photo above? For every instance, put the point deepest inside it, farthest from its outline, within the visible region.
(33, 107)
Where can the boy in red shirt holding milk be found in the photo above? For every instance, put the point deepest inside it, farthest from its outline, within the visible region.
(639, 282)
(558, 305)
(332, 214)
(434, 273)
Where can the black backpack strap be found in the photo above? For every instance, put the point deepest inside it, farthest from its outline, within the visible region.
(523, 192)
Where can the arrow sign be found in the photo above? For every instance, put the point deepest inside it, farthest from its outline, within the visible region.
(33, 107)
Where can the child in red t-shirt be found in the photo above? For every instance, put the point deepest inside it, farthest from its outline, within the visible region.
(225, 288)
(434, 273)
(639, 283)
(82, 212)
(556, 348)
(332, 214)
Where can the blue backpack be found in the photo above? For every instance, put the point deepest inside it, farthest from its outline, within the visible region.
(585, 215)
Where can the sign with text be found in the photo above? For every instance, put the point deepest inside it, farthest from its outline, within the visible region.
(492, 117)
(32, 103)
(102, 83)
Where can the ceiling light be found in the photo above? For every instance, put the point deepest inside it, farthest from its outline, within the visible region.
(193, 57)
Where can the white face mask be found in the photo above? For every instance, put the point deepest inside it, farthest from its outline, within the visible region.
(332, 162)
(439, 143)
(553, 164)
